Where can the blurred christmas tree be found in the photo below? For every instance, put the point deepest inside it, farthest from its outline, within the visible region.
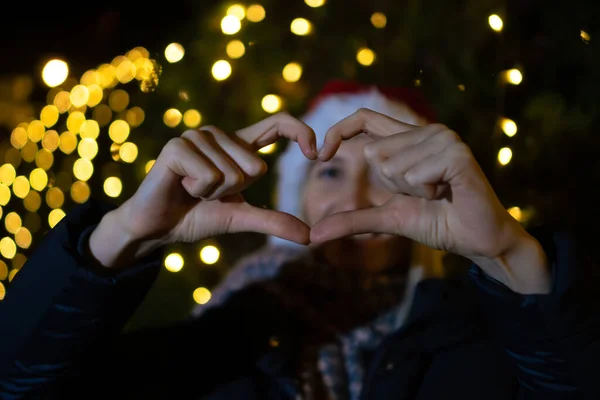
(515, 80)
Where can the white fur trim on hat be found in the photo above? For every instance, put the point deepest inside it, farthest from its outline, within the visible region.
(292, 165)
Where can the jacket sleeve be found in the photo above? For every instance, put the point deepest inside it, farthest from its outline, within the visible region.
(60, 304)
(553, 339)
(61, 323)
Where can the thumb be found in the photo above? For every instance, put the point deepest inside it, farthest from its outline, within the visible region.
(248, 218)
(399, 216)
(347, 223)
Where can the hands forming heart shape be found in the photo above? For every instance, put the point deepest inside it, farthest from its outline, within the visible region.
(441, 197)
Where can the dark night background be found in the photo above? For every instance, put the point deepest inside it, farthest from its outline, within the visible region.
(555, 168)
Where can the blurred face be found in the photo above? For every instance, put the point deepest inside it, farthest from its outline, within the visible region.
(346, 183)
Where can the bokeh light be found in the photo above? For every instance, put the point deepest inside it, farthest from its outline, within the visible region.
(209, 254)
(221, 70)
(174, 52)
(201, 295)
(55, 72)
(174, 262)
(300, 26)
(271, 103)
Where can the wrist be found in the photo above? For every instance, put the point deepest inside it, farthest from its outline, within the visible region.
(113, 245)
(523, 267)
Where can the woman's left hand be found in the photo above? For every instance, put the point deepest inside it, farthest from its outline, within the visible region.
(441, 199)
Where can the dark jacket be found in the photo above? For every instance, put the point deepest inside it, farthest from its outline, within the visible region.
(471, 338)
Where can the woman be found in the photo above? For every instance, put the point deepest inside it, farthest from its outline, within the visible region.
(343, 314)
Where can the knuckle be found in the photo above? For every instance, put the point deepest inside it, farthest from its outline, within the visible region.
(371, 151)
(175, 145)
(438, 126)
(364, 112)
(233, 178)
(258, 167)
(387, 170)
(461, 152)
(211, 177)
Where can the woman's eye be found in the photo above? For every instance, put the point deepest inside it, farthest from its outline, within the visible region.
(329, 173)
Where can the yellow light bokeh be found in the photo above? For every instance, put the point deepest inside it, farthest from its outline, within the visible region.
(12, 222)
(268, 149)
(255, 13)
(29, 151)
(18, 137)
(118, 100)
(365, 56)
(516, 213)
(149, 165)
(237, 10)
(125, 71)
(300, 26)
(495, 22)
(8, 248)
(23, 238)
(221, 70)
(49, 115)
(172, 117)
(209, 254)
(55, 198)
(74, 121)
(113, 186)
(128, 152)
(3, 272)
(5, 194)
(504, 155)
(235, 49)
(80, 95)
(44, 159)
(192, 118)
(90, 77)
(314, 3)
(292, 72)
(87, 148)
(32, 201)
(67, 142)
(174, 52)
(379, 20)
(62, 101)
(271, 103)
(83, 169)
(513, 76)
(118, 131)
(80, 192)
(135, 116)
(21, 186)
(35, 131)
(96, 95)
(55, 216)
(585, 36)
(103, 114)
(89, 129)
(174, 262)
(230, 25)
(8, 173)
(509, 127)
(38, 179)
(55, 72)
(201, 295)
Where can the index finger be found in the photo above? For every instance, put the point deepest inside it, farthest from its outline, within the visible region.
(269, 130)
(370, 122)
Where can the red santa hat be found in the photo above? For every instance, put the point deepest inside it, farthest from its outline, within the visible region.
(337, 100)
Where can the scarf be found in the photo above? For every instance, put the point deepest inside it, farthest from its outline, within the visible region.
(354, 312)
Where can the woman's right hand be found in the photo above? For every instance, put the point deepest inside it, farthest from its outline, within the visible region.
(192, 191)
